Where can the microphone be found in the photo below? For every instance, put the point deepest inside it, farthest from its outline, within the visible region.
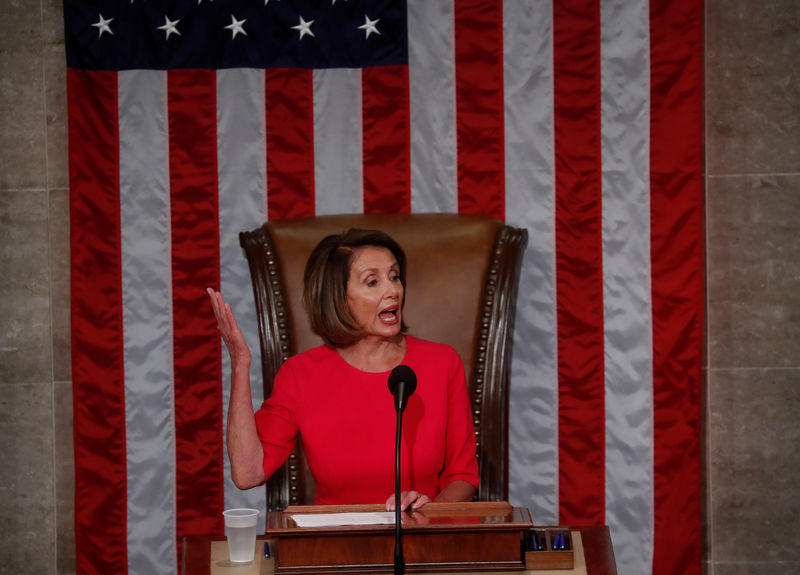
(402, 384)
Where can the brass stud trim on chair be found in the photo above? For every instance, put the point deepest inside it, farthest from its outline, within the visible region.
(284, 337)
(270, 303)
(480, 359)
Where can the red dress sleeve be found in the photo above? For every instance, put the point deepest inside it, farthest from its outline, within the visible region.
(276, 421)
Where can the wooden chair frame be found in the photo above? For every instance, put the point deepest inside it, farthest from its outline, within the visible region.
(487, 365)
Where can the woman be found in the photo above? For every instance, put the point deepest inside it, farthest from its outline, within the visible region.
(335, 395)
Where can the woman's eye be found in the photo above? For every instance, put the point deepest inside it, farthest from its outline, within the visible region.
(372, 283)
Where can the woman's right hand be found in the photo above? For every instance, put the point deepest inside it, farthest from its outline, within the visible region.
(229, 330)
(244, 448)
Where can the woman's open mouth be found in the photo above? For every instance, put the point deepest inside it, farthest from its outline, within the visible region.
(389, 315)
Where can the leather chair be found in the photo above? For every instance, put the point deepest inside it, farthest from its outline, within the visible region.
(462, 278)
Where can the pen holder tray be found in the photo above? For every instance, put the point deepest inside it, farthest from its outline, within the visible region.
(544, 548)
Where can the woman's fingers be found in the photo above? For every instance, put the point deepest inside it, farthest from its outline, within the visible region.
(232, 336)
(226, 322)
(212, 296)
(414, 499)
(420, 501)
(220, 307)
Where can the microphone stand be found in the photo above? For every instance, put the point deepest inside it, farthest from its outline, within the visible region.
(398, 547)
(402, 383)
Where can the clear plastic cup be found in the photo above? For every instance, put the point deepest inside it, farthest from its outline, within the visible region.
(240, 529)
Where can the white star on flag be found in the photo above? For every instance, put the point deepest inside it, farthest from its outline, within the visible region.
(369, 26)
(102, 25)
(170, 27)
(236, 26)
(304, 28)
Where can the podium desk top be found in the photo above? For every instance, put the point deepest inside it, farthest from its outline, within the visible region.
(433, 517)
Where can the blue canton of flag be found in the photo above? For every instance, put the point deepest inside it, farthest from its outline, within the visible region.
(175, 34)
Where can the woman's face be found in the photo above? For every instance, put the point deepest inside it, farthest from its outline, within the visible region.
(374, 291)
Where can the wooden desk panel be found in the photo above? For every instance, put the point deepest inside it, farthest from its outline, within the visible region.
(441, 537)
(598, 552)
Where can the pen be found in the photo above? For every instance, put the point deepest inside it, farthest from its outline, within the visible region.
(266, 549)
(534, 544)
(558, 541)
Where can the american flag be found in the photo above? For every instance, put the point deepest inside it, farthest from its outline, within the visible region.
(580, 120)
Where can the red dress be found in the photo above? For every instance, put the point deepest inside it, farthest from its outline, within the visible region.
(346, 418)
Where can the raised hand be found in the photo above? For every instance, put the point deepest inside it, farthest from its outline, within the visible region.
(229, 330)
(244, 448)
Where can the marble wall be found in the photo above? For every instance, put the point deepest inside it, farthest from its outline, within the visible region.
(752, 391)
(753, 287)
(36, 475)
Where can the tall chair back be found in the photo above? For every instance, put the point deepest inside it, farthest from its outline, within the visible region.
(462, 278)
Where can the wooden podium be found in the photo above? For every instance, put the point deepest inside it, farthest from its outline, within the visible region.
(441, 537)
(208, 555)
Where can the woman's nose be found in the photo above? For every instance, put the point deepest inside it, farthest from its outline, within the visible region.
(393, 288)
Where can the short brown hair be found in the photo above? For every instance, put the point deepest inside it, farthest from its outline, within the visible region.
(325, 283)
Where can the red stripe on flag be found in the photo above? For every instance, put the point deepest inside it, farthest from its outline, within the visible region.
(192, 111)
(289, 104)
(676, 164)
(96, 315)
(479, 107)
(579, 276)
(386, 140)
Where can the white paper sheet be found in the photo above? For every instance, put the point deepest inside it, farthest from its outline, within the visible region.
(333, 519)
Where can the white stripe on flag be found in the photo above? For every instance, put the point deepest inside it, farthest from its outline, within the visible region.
(626, 281)
(530, 203)
(241, 158)
(431, 71)
(338, 172)
(147, 320)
